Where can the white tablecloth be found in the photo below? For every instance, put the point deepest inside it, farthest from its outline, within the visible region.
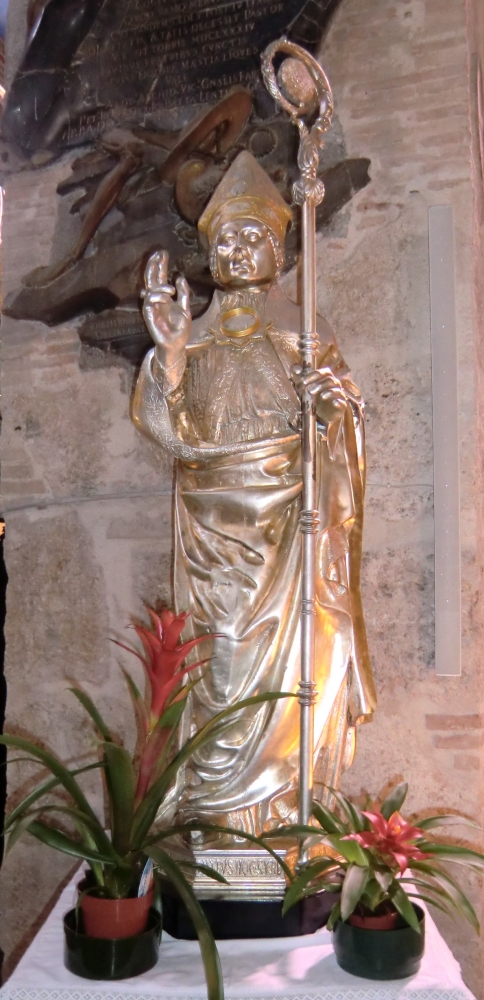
(300, 968)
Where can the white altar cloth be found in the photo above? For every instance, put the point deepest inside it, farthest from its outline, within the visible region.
(298, 968)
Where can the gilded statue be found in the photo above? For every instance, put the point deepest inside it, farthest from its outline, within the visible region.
(222, 394)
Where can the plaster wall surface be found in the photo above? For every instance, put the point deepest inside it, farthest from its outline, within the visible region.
(87, 500)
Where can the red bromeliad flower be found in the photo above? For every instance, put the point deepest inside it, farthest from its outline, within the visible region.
(163, 657)
(392, 839)
(162, 660)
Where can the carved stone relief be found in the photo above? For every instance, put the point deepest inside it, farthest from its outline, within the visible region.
(164, 97)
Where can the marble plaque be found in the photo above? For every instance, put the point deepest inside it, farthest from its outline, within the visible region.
(90, 65)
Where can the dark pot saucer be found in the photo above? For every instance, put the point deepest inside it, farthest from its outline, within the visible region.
(393, 954)
(105, 958)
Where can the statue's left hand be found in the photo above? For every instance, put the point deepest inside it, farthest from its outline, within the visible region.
(327, 391)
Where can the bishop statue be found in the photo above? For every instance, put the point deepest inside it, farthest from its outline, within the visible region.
(222, 394)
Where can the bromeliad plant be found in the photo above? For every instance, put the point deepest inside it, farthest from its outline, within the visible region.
(371, 854)
(136, 784)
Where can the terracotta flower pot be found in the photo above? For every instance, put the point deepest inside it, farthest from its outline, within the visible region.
(115, 918)
(375, 922)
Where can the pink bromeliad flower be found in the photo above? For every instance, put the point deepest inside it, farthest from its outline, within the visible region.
(392, 839)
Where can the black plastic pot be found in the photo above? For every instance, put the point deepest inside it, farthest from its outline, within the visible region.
(104, 958)
(380, 954)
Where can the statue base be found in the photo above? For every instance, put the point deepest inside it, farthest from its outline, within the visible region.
(247, 918)
(250, 906)
(250, 874)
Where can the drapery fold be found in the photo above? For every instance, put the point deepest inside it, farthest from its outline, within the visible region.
(238, 568)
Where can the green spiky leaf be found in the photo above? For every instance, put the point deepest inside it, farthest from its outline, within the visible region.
(452, 852)
(394, 800)
(208, 948)
(447, 819)
(138, 700)
(420, 896)
(354, 885)
(61, 842)
(403, 904)
(62, 774)
(329, 822)
(315, 869)
(93, 712)
(334, 916)
(40, 791)
(452, 890)
(355, 820)
(120, 781)
(351, 851)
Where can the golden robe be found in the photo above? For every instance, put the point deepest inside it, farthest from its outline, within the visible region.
(232, 426)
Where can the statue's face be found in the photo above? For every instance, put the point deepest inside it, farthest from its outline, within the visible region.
(245, 254)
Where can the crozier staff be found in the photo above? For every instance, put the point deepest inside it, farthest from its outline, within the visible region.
(221, 393)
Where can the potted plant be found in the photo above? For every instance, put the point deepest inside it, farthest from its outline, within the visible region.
(378, 931)
(119, 931)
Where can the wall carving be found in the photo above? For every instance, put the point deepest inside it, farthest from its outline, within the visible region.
(159, 98)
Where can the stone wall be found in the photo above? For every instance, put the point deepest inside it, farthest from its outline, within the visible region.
(404, 81)
(87, 500)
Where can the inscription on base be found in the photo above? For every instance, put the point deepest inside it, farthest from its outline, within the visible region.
(248, 873)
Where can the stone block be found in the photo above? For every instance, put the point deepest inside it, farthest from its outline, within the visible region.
(152, 574)
(466, 762)
(454, 722)
(57, 612)
(461, 741)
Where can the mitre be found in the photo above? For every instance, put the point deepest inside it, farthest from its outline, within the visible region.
(247, 192)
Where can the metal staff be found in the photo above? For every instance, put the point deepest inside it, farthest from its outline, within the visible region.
(300, 86)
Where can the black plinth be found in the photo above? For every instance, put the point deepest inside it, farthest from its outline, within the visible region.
(244, 918)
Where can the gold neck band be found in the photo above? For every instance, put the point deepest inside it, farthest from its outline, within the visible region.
(233, 314)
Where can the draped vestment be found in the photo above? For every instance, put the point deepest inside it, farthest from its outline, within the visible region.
(232, 425)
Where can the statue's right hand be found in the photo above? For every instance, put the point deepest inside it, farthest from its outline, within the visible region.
(168, 320)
